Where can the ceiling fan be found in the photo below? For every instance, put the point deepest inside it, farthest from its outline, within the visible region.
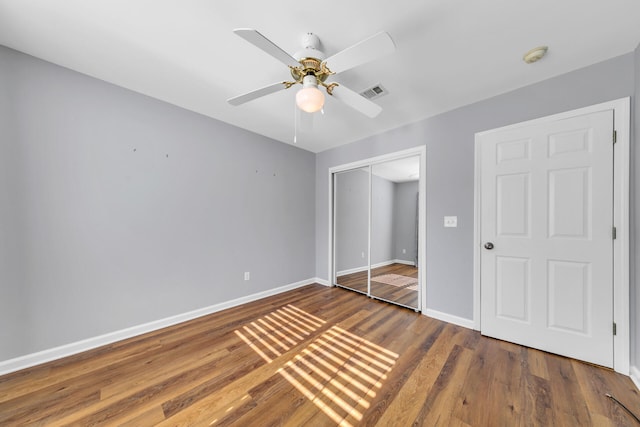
(311, 68)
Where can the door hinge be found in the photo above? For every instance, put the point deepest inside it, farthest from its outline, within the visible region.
(615, 136)
(615, 328)
(614, 233)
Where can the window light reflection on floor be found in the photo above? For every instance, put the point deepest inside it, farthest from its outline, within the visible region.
(280, 329)
(338, 371)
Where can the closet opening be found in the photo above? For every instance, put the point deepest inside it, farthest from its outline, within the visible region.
(378, 219)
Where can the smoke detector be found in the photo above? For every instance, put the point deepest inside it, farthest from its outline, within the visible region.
(535, 54)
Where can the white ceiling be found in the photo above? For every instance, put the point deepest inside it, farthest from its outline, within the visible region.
(400, 170)
(449, 52)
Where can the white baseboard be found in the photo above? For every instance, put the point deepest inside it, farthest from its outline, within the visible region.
(48, 355)
(634, 373)
(402, 261)
(383, 263)
(449, 318)
(352, 270)
(322, 282)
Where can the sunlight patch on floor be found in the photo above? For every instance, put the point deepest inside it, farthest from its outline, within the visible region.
(278, 331)
(338, 371)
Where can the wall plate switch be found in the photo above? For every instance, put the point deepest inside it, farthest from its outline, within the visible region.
(404, 251)
(247, 275)
(450, 221)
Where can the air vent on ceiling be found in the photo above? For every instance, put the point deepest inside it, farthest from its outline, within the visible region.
(374, 92)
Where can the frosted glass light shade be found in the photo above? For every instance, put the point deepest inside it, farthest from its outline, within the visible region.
(310, 99)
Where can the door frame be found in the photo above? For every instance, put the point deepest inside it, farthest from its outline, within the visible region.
(621, 300)
(420, 151)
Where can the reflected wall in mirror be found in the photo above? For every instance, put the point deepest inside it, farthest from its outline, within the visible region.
(351, 228)
(394, 231)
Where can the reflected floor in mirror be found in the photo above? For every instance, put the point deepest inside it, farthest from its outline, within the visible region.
(395, 282)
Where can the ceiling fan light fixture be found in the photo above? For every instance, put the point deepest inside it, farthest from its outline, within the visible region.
(310, 99)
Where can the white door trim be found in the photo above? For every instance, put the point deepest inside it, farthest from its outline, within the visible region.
(621, 300)
(422, 214)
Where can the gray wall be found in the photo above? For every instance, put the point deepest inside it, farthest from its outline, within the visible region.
(12, 294)
(635, 218)
(118, 209)
(352, 219)
(404, 206)
(449, 139)
(381, 219)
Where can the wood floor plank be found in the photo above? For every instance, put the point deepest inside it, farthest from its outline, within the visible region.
(537, 363)
(444, 399)
(433, 353)
(149, 417)
(131, 400)
(565, 388)
(595, 384)
(503, 406)
(482, 370)
(316, 356)
(537, 402)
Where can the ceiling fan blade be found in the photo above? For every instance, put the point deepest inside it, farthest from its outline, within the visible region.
(241, 99)
(367, 50)
(261, 42)
(356, 101)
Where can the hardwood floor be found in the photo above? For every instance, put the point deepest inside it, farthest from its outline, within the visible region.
(401, 295)
(316, 356)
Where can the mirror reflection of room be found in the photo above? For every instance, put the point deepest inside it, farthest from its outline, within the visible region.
(352, 229)
(394, 231)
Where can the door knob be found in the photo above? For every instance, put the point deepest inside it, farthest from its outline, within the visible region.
(488, 245)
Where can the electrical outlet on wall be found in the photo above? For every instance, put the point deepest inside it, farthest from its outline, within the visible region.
(404, 251)
(247, 275)
(362, 254)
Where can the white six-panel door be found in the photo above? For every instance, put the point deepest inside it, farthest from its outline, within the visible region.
(547, 215)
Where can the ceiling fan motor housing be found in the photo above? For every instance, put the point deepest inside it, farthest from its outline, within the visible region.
(310, 48)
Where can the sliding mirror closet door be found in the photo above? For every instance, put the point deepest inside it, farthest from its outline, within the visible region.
(394, 231)
(351, 228)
